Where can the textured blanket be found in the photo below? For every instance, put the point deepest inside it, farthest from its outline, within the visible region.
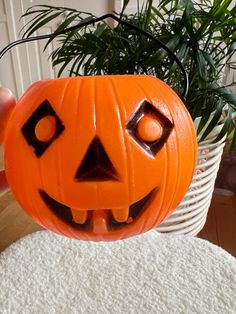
(151, 273)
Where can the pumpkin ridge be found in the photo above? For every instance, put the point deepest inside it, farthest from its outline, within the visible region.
(122, 119)
(166, 209)
(75, 136)
(57, 157)
(161, 195)
(135, 79)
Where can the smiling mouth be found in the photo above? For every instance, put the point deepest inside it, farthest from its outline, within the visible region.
(98, 221)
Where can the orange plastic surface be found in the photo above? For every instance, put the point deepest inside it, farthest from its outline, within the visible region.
(93, 173)
(149, 129)
(45, 129)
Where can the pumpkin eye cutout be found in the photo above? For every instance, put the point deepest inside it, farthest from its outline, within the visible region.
(149, 128)
(45, 129)
(42, 128)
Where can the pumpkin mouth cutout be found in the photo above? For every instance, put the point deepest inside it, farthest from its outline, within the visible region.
(97, 221)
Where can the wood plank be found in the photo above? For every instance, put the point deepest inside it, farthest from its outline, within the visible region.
(14, 222)
(224, 207)
(209, 231)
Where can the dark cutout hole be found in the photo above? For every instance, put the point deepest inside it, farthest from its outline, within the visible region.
(96, 165)
(135, 210)
(148, 109)
(28, 130)
(63, 212)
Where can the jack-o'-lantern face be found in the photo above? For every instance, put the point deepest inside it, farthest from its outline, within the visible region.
(100, 158)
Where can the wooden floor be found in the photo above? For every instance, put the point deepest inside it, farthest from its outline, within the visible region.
(14, 222)
(219, 229)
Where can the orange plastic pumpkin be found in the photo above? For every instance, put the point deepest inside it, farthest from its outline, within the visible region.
(100, 158)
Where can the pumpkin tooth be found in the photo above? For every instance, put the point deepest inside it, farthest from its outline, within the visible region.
(79, 216)
(99, 221)
(121, 215)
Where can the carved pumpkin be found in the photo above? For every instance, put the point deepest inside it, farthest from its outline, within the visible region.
(100, 158)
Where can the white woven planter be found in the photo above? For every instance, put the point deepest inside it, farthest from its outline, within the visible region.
(190, 216)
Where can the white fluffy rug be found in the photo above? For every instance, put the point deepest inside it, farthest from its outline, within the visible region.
(47, 273)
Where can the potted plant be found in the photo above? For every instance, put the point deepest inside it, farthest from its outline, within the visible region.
(202, 35)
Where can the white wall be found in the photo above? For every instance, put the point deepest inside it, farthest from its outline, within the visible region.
(6, 64)
(25, 64)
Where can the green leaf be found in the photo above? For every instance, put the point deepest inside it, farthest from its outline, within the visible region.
(64, 25)
(215, 119)
(202, 66)
(209, 60)
(225, 93)
(221, 7)
(100, 29)
(125, 3)
(42, 23)
(33, 22)
(225, 128)
(171, 44)
(158, 14)
(204, 120)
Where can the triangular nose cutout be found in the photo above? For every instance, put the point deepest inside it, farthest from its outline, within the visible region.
(96, 165)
